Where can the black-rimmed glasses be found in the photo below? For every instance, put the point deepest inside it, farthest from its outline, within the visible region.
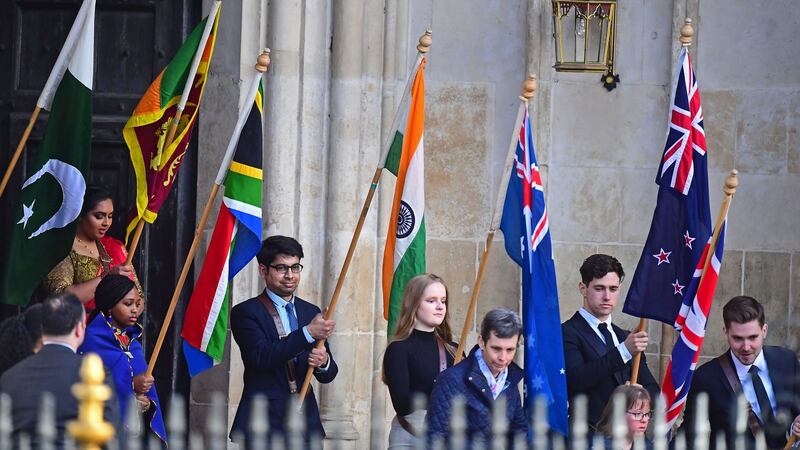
(283, 268)
(638, 415)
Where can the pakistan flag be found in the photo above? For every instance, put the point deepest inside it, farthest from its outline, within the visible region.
(52, 194)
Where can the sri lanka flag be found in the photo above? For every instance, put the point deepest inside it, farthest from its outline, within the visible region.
(404, 254)
(235, 241)
(145, 132)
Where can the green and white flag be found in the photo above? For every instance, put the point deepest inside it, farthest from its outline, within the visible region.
(404, 254)
(51, 198)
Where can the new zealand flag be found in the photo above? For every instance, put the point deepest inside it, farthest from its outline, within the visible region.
(527, 240)
(682, 219)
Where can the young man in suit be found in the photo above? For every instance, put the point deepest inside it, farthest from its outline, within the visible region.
(769, 378)
(276, 333)
(54, 369)
(597, 353)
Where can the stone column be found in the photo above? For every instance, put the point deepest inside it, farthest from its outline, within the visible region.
(219, 111)
(355, 110)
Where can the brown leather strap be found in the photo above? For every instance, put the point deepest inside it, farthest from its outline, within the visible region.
(105, 258)
(406, 424)
(736, 385)
(442, 358)
(290, 368)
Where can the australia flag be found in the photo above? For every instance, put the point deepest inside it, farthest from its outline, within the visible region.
(682, 219)
(527, 240)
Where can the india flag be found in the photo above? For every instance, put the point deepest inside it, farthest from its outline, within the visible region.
(404, 255)
(235, 241)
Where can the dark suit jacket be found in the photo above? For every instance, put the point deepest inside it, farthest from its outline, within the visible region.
(53, 369)
(784, 372)
(265, 355)
(595, 372)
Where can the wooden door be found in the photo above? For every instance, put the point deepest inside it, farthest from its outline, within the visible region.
(134, 40)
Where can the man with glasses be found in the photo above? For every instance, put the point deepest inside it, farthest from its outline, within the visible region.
(276, 333)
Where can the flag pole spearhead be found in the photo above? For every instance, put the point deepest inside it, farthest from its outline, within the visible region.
(687, 33)
(262, 64)
(425, 42)
(528, 88)
(731, 183)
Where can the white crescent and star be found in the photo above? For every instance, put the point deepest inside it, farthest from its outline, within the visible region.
(73, 186)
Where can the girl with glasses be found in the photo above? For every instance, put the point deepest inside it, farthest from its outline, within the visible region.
(638, 411)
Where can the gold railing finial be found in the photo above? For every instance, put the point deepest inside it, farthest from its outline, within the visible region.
(90, 431)
(687, 33)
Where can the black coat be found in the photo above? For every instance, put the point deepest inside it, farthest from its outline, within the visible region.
(265, 355)
(784, 372)
(53, 369)
(595, 372)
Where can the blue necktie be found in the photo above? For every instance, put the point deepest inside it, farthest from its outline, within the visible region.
(292, 316)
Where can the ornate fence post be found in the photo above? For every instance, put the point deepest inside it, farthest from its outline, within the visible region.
(176, 422)
(6, 426)
(216, 429)
(90, 429)
(46, 425)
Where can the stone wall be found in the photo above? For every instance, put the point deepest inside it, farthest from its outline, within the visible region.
(338, 70)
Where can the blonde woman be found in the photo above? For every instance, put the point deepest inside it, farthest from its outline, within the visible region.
(638, 411)
(421, 348)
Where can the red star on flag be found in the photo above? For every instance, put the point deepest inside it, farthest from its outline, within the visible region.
(688, 239)
(662, 257)
(678, 288)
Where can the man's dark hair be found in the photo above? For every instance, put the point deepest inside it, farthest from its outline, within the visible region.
(597, 266)
(743, 309)
(278, 245)
(504, 322)
(60, 314)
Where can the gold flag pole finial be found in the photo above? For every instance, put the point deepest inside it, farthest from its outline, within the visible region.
(528, 88)
(90, 430)
(262, 64)
(731, 182)
(425, 42)
(687, 33)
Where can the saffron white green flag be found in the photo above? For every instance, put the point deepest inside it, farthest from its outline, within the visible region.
(404, 255)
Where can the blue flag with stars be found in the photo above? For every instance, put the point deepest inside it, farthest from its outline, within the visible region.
(527, 240)
(682, 218)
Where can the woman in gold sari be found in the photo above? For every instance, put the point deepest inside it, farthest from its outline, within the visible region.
(93, 255)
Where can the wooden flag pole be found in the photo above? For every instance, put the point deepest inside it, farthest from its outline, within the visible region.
(687, 32)
(18, 152)
(423, 47)
(261, 66)
(173, 125)
(528, 89)
(731, 183)
(637, 358)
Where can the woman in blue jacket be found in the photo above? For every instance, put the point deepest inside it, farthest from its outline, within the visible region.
(113, 333)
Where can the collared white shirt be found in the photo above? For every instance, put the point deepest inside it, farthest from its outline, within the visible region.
(280, 306)
(743, 372)
(496, 384)
(63, 344)
(594, 322)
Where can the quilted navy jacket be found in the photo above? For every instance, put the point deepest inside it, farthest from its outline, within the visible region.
(466, 379)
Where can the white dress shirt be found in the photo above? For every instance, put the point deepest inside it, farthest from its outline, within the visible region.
(594, 322)
(742, 371)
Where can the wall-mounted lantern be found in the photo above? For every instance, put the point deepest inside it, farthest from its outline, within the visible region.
(584, 37)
